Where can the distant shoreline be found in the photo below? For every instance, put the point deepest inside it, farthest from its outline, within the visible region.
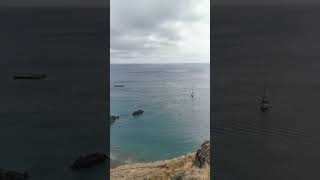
(157, 63)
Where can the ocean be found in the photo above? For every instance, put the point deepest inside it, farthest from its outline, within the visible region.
(173, 123)
(279, 45)
(46, 124)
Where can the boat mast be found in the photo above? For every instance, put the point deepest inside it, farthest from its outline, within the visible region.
(192, 94)
(265, 90)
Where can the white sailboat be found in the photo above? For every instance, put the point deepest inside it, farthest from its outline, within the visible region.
(192, 93)
(265, 101)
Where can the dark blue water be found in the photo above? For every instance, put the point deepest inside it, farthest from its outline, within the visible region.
(46, 124)
(173, 123)
(280, 45)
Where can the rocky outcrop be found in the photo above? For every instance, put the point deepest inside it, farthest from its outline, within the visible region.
(137, 113)
(179, 176)
(203, 155)
(88, 161)
(118, 85)
(113, 119)
(13, 175)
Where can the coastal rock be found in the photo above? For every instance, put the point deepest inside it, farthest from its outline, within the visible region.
(113, 119)
(88, 161)
(179, 176)
(118, 86)
(203, 155)
(137, 113)
(13, 175)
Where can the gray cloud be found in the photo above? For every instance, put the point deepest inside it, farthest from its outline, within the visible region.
(150, 29)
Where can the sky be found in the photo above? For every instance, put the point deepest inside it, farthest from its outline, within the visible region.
(160, 31)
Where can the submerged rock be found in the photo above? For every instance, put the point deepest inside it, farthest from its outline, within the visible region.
(203, 155)
(137, 113)
(113, 119)
(118, 85)
(88, 161)
(13, 175)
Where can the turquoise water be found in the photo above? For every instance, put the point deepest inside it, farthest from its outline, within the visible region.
(173, 123)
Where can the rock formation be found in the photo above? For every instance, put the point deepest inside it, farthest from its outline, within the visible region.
(88, 161)
(203, 155)
(137, 113)
(13, 175)
(113, 119)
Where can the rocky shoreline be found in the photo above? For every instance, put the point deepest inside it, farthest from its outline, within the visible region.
(115, 163)
(113, 119)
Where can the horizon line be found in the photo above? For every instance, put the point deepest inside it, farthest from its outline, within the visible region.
(165, 63)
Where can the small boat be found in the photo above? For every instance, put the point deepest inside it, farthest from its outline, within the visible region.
(118, 85)
(265, 101)
(13, 175)
(30, 76)
(88, 161)
(192, 94)
(137, 113)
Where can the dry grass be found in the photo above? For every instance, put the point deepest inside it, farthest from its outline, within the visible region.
(162, 170)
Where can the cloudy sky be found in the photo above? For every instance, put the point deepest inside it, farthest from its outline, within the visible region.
(160, 31)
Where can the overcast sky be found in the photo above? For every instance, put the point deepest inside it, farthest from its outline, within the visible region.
(160, 31)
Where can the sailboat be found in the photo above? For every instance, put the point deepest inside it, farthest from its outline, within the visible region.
(265, 101)
(192, 93)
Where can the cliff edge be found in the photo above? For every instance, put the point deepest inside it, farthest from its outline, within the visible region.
(193, 166)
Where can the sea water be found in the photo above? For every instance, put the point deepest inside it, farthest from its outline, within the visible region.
(46, 124)
(173, 123)
(279, 45)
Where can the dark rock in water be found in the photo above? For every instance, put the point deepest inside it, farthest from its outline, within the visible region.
(118, 85)
(203, 155)
(88, 161)
(30, 76)
(13, 175)
(137, 113)
(113, 119)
